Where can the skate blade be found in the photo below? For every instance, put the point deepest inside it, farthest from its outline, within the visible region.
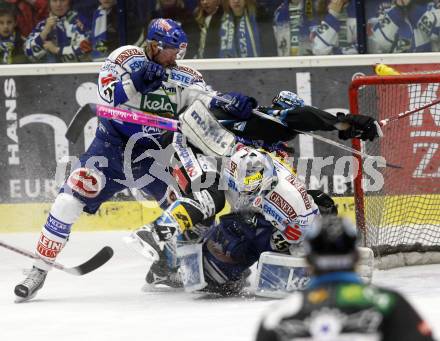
(159, 288)
(142, 248)
(19, 299)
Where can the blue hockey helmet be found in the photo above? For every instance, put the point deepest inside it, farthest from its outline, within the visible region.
(287, 100)
(169, 34)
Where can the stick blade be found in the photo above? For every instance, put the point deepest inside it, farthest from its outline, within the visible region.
(102, 257)
(79, 120)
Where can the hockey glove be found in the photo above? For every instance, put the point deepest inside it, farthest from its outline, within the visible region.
(240, 105)
(361, 126)
(148, 78)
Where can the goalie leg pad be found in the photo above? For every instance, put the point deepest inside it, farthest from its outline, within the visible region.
(191, 266)
(280, 274)
(203, 130)
(365, 265)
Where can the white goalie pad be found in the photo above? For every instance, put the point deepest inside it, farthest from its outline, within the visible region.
(280, 274)
(191, 266)
(203, 130)
(365, 265)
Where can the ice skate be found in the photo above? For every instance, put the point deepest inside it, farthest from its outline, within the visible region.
(171, 279)
(34, 281)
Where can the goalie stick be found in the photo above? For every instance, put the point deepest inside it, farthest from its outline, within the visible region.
(99, 259)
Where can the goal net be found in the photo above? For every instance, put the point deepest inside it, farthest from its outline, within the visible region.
(402, 214)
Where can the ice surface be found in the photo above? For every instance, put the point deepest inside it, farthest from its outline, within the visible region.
(108, 304)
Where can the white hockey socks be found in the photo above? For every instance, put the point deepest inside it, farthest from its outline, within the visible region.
(64, 212)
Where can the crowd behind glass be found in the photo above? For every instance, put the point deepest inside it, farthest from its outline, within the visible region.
(47, 31)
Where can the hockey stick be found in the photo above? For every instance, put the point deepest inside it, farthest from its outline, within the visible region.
(140, 117)
(408, 112)
(99, 259)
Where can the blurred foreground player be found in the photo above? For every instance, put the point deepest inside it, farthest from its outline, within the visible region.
(337, 305)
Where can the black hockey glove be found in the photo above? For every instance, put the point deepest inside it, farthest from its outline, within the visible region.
(361, 126)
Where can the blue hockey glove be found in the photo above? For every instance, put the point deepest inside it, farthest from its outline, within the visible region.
(148, 78)
(241, 106)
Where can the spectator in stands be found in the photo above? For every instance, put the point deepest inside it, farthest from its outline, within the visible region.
(173, 9)
(403, 27)
(337, 305)
(62, 37)
(29, 13)
(239, 32)
(337, 34)
(11, 42)
(294, 22)
(85, 8)
(105, 30)
(204, 42)
(143, 10)
(430, 25)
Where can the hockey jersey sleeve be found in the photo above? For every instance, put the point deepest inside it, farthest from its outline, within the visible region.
(429, 23)
(307, 118)
(396, 31)
(404, 323)
(336, 34)
(78, 45)
(115, 86)
(34, 44)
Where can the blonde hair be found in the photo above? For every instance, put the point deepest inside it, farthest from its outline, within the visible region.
(250, 6)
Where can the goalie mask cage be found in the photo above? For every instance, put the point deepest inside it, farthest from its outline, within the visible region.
(401, 219)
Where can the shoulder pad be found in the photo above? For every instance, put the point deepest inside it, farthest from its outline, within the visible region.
(195, 75)
(123, 54)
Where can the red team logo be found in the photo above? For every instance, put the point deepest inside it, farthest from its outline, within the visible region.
(293, 232)
(85, 182)
(48, 248)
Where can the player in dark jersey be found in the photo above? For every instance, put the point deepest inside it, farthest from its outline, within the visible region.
(337, 305)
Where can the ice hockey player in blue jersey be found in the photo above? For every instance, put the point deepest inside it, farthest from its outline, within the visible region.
(130, 78)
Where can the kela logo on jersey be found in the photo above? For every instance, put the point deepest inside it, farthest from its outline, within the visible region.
(157, 104)
(293, 180)
(283, 205)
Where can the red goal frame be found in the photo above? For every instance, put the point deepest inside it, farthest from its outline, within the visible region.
(356, 84)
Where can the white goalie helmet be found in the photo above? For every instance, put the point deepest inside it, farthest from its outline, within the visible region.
(248, 174)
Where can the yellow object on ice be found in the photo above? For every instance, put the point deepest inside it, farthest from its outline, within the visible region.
(385, 70)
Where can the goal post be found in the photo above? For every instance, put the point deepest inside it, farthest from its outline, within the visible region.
(401, 219)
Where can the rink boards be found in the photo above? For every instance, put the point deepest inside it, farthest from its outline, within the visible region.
(112, 215)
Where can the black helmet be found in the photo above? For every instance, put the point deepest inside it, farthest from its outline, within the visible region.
(330, 245)
(324, 202)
